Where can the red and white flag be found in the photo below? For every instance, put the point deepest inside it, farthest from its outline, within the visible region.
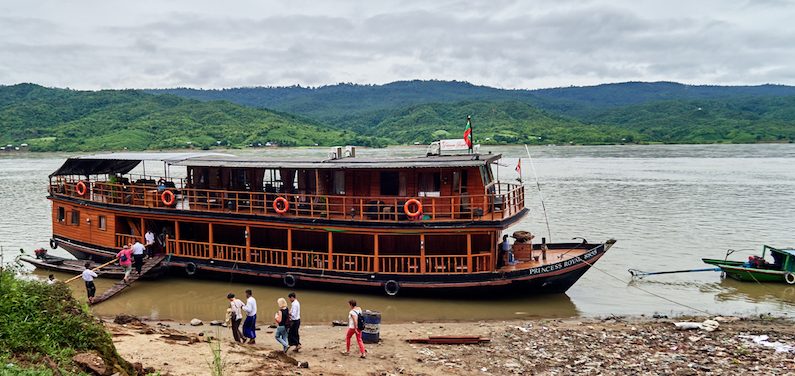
(519, 168)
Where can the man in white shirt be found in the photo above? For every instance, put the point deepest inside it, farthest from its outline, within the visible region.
(235, 305)
(149, 239)
(138, 256)
(293, 338)
(88, 277)
(249, 326)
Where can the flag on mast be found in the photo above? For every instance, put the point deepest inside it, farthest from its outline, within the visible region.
(468, 133)
(519, 168)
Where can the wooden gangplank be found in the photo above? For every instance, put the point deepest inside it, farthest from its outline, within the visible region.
(121, 285)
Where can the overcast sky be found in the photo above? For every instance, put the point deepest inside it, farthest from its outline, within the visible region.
(511, 44)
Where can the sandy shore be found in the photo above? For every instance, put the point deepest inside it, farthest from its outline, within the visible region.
(613, 346)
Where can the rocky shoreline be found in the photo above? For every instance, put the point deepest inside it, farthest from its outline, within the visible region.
(607, 346)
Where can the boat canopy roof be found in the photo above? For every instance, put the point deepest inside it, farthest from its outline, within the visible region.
(123, 163)
(788, 252)
(119, 163)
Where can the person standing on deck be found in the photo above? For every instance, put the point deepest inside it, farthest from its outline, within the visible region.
(507, 248)
(125, 261)
(149, 238)
(237, 316)
(138, 256)
(249, 326)
(293, 336)
(88, 277)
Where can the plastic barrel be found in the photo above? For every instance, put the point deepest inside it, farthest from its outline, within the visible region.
(372, 327)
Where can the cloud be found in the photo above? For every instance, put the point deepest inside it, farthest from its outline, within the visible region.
(510, 44)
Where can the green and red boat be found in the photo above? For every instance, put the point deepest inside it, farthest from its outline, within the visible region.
(757, 269)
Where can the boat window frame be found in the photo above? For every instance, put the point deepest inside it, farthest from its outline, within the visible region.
(102, 222)
(61, 214)
(74, 218)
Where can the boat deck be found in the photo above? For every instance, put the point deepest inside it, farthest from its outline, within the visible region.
(528, 260)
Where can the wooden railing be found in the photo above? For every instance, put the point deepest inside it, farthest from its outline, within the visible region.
(436, 264)
(400, 264)
(503, 201)
(124, 239)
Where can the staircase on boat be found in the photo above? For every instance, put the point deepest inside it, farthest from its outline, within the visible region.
(121, 285)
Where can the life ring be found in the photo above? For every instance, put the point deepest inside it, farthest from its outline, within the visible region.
(168, 198)
(790, 278)
(407, 208)
(289, 280)
(391, 287)
(285, 205)
(190, 268)
(53, 244)
(81, 188)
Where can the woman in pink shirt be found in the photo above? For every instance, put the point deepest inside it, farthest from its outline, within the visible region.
(125, 261)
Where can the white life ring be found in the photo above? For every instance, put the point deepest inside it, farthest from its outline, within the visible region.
(790, 278)
(391, 287)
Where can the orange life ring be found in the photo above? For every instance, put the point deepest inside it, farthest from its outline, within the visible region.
(407, 208)
(285, 205)
(81, 188)
(168, 198)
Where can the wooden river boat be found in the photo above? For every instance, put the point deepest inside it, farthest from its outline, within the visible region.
(422, 223)
(757, 269)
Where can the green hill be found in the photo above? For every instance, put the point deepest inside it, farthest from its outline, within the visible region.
(739, 120)
(67, 120)
(493, 123)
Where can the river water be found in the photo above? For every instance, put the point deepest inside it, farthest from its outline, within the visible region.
(667, 205)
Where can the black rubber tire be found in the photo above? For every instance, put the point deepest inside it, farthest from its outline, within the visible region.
(789, 278)
(190, 268)
(289, 280)
(53, 244)
(391, 287)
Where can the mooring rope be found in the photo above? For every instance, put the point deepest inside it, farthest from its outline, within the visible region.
(629, 283)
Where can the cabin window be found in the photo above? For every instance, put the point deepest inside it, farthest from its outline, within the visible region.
(103, 222)
(312, 241)
(399, 245)
(353, 243)
(390, 183)
(481, 243)
(445, 244)
(339, 183)
(460, 181)
(75, 218)
(61, 214)
(430, 182)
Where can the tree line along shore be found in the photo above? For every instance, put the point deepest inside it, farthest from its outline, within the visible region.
(51, 119)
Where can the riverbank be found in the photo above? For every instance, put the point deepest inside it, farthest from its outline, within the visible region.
(613, 345)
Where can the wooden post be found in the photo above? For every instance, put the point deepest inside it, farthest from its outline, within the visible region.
(422, 253)
(469, 253)
(210, 240)
(176, 238)
(375, 253)
(330, 249)
(143, 230)
(248, 244)
(289, 247)
(492, 250)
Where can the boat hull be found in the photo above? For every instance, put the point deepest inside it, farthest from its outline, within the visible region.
(551, 278)
(736, 270)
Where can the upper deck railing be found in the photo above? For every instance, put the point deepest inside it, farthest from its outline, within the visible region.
(504, 200)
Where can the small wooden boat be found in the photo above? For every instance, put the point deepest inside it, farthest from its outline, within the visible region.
(757, 269)
(64, 265)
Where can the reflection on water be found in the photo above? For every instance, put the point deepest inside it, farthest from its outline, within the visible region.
(183, 299)
(667, 205)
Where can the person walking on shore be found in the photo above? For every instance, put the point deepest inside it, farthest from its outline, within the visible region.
(354, 329)
(88, 277)
(282, 318)
(249, 326)
(235, 305)
(138, 256)
(293, 337)
(125, 261)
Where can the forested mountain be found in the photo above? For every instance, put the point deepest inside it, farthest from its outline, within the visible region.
(739, 120)
(58, 119)
(338, 104)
